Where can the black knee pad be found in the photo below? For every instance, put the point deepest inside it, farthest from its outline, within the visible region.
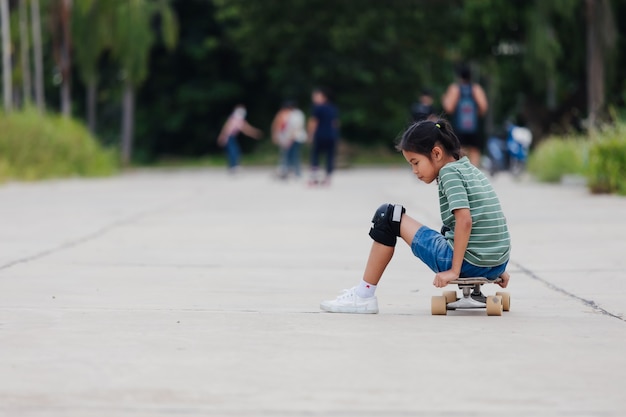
(386, 224)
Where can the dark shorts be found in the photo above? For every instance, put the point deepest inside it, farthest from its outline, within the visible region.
(471, 139)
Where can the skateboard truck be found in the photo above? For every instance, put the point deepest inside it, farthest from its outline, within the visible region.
(472, 298)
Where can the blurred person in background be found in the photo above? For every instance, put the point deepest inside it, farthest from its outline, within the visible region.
(466, 103)
(288, 133)
(235, 124)
(424, 108)
(323, 131)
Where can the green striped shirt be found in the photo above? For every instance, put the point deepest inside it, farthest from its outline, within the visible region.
(462, 185)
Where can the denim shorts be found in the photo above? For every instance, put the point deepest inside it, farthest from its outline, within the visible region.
(433, 249)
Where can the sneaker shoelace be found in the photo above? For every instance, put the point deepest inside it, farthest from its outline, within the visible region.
(347, 293)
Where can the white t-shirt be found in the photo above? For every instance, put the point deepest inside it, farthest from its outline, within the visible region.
(295, 126)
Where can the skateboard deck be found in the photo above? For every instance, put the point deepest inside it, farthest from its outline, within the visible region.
(475, 280)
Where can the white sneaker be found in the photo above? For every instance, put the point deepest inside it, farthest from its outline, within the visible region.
(349, 302)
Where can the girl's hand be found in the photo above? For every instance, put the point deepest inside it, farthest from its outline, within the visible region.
(505, 279)
(444, 278)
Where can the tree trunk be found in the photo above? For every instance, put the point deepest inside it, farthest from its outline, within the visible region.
(92, 104)
(27, 87)
(128, 120)
(6, 55)
(66, 62)
(38, 56)
(595, 64)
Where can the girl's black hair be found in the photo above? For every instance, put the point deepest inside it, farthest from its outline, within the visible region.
(421, 137)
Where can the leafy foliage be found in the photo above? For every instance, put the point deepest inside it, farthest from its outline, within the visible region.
(607, 161)
(34, 147)
(376, 56)
(91, 27)
(559, 156)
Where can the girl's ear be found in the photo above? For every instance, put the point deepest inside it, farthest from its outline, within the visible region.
(437, 153)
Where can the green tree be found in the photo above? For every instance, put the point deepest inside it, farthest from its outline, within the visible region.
(532, 49)
(62, 50)
(91, 27)
(375, 56)
(38, 55)
(133, 39)
(204, 78)
(27, 89)
(601, 38)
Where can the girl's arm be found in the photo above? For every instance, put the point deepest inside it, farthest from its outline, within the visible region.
(462, 230)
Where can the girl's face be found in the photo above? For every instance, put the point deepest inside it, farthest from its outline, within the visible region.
(427, 169)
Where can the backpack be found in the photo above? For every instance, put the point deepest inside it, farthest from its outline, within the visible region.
(466, 114)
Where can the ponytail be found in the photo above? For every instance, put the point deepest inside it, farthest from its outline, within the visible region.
(423, 136)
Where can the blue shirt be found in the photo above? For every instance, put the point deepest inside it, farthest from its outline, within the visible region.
(327, 120)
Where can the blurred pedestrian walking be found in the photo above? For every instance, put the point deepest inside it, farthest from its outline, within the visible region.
(235, 124)
(466, 103)
(323, 130)
(288, 133)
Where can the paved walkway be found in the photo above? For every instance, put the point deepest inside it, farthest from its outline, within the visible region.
(191, 293)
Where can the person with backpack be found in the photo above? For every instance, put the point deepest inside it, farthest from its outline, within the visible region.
(466, 103)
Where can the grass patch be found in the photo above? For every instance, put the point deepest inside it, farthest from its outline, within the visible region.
(34, 146)
(558, 156)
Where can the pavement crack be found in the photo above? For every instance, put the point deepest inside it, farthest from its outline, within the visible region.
(90, 236)
(72, 243)
(589, 303)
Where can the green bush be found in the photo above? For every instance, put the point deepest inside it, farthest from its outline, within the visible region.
(607, 161)
(33, 147)
(558, 156)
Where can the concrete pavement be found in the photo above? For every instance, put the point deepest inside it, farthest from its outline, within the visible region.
(197, 294)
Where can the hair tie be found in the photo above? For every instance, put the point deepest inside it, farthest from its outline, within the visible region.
(438, 125)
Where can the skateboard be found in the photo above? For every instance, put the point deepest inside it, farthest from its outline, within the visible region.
(472, 298)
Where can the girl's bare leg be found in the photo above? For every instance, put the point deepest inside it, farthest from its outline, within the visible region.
(379, 258)
(380, 255)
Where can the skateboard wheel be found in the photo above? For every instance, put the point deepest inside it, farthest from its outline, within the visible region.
(438, 306)
(506, 300)
(450, 296)
(494, 305)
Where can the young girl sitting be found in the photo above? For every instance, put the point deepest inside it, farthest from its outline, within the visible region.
(475, 240)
